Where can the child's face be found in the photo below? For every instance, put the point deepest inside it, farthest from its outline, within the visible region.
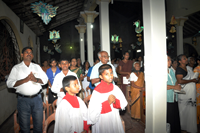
(64, 65)
(107, 76)
(74, 87)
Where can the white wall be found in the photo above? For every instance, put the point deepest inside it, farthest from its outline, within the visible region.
(8, 101)
(189, 41)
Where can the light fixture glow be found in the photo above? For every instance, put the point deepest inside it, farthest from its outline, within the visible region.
(81, 39)
(139, 50)
(91, 26)
(166, 37)
(71, 47)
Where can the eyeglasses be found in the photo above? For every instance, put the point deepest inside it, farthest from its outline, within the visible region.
(105, 56)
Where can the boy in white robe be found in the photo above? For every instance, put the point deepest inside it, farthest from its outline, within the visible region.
(71, 114)
(106, 100)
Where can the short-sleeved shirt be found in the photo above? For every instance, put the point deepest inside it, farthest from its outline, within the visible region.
(50, 74)
(171, 81)
(95, 72)
(88, 74)
(181, 71)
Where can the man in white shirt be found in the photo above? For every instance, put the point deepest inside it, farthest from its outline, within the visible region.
(104, 58)
(27, 78)
(57, 84)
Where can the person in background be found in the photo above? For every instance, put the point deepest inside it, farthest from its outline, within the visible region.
(125, 67)
(44, 87)
(85, 82)
(104, 58)
(79, 63)
(187, 102)
(57, 86)
(140, 61)
(173, 117)
(191, 63)
(197, 69)
(51, 73)
(89, 73)
(174, 64)
(27, 78)
(137, 84)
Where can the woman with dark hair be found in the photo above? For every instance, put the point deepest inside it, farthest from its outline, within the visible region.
(187, 102)
(85, 82)
(124, 68)
(79, 63)
(197, 69)
(137, 84)
(51, 73)
(173, 117)
(75, 69)
(174, 64)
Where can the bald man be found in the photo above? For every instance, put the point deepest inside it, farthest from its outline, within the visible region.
(104, 58)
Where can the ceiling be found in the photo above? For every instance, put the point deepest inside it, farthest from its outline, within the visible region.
(70, 10)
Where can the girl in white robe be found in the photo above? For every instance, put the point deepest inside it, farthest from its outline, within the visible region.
(101, 113)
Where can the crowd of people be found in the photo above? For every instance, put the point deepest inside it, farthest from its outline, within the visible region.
(70, 82)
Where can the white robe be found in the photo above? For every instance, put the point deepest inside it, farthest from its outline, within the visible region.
(109, 122)
(69, 119)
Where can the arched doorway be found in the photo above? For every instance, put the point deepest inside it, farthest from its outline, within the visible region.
(9, 49)
(189, 50)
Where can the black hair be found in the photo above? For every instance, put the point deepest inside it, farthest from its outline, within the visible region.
(173, 60)
(64, 59)
(96, 59)
(198, 58)
(104, 67)
(179, 57)
(84, 66)
(72, 59)
(25, 48)
(53, 59)
(125, 52)
(66, 81)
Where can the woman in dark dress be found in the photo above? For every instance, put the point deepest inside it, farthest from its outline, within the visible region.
(125, 67)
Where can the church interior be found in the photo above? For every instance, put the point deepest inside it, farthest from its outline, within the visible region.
(66, 34)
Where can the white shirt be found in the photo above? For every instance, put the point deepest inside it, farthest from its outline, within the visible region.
(95, 71)
(21, 71)
(57, 84)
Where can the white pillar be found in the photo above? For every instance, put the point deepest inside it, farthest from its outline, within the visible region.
(155, 77)
(81, 30)
(104, 25)
(179, 34)
(89, 17)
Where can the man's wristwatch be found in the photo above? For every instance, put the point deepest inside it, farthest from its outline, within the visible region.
(37, 80)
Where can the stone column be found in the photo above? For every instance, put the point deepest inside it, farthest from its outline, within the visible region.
(81, 30)
(89, 17)
(155, 77)
(179, 34)
(104, 25)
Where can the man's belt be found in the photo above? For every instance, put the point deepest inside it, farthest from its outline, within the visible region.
(30, 96)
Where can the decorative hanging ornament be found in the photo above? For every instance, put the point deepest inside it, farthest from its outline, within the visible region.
(44, 10)
(54, 36)
(139, 43)
(173, 29)
(45, 48)
(57, 48)
(115, 39)
(140, 39)
(194, 41)
(120, 41)
(173, 20)
(133, 46)
(138, 28)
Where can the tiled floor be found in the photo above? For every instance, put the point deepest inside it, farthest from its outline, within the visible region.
(131, 126)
